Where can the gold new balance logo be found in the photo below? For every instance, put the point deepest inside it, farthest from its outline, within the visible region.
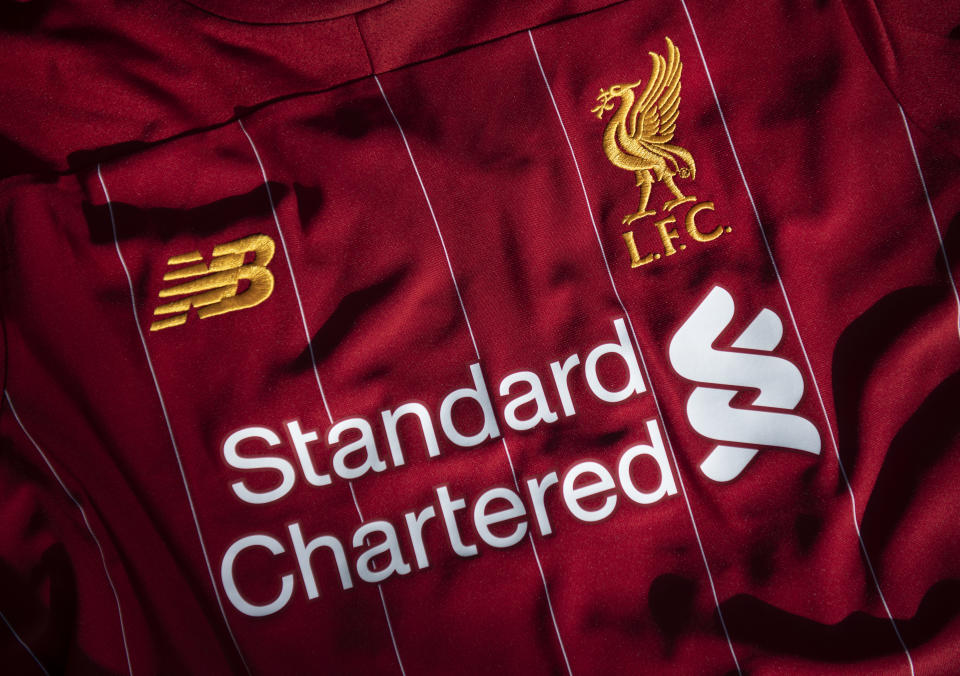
(213, 289)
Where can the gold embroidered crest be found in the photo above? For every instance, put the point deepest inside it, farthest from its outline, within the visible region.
(638, 136)
(214, 290)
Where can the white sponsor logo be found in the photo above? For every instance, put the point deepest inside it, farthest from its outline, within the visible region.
(740, 430)
(268, 463)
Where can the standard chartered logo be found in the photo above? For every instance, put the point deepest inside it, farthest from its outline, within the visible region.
(503, 516)
(724, 372)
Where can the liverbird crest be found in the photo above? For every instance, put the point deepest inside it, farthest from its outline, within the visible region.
(637, 137)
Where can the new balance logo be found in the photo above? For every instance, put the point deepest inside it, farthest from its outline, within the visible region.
(214, 289)
(709, 411)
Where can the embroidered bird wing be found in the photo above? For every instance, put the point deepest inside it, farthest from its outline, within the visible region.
(654, 114)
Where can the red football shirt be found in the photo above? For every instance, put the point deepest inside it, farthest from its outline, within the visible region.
(419, 337)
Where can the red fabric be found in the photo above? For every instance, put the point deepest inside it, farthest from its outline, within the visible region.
(915, 49)
(154, 92)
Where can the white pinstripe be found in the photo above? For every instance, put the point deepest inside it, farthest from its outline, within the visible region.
(23, 643)
(313, 360)
(86, 522)
(476, 351)
(166, 418)
(643, 362)
(933, 216)
(796, 329)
